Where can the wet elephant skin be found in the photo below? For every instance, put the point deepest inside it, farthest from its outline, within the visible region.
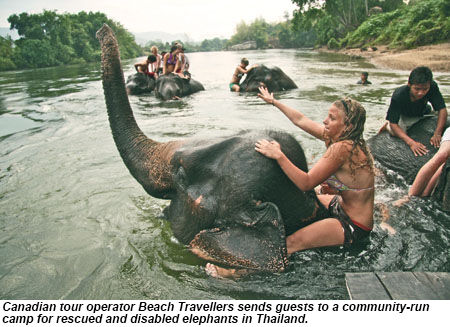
(229, 203)
(171, 85)
(272, 77)
(237, 205)
(140, 83)
(394, 154)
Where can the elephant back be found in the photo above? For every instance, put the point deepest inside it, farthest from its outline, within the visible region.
(394, 154)
(272, 77)
(171, 85)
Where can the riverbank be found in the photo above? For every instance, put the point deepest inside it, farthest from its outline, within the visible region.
(437, 57)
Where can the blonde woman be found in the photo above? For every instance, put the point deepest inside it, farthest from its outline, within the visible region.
(345, 173)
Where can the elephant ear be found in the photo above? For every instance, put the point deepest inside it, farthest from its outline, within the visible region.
(260, 245)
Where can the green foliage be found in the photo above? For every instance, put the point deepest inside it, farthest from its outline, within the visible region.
(267, 35)
(51, 39)
(6, 54)
(332, 44)
(399, 25)
(420, 23)
(336, 18)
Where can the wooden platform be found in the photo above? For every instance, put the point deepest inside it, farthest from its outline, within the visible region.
(398, 285)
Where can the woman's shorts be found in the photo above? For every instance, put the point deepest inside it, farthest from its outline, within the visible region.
(353, 232)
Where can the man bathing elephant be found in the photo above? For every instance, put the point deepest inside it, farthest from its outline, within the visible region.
(231, 205)
(385, 147)
(259, 75)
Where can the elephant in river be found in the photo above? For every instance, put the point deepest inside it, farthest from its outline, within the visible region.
(272, 77)
(140, 83)
(169, 86)
(230, 204)
(166, 87)
(394, 154)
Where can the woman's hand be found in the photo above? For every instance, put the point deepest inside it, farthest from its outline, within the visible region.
(265, 95)
(270, 149)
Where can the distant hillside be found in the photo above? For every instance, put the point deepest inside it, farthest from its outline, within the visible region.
(144, 37)
(4, 31)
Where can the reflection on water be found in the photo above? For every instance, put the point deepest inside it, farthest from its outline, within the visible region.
(75, 225)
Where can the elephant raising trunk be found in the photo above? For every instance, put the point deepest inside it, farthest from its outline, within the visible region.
(146, 159)
(231, 205)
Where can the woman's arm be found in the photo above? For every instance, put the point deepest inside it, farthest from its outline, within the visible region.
(324, 168)
(177, 63)
(182, 62)
(165, 63)
(295, 116)
(158, 63)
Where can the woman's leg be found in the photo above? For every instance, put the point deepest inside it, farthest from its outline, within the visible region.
(425, 174)
(326, 232)
(432, 183)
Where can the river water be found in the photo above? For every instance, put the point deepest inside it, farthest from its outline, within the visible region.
(74, 224)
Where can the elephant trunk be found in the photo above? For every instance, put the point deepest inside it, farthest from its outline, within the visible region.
(147, 160)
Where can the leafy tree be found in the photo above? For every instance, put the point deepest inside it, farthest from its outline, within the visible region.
(420, 23)
(6, 53)
(335, 18)
(50, 39)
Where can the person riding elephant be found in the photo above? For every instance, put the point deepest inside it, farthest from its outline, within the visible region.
(228, 203)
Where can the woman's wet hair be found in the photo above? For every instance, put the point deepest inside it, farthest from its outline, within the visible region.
(355, 118)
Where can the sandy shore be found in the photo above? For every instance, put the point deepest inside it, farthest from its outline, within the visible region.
(437, 57)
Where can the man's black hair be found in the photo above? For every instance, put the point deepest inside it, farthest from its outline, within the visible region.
(365, 74)
(151, 58)
(420, 75)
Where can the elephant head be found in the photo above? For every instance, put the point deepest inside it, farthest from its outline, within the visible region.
(394, 154)
(272, 77)
(229, 203)
(140, 83)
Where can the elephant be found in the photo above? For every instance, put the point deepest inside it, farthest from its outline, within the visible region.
(169, 86)
(228, 203)
(166, 87)
(272, 77)
(140, 83)
(394, 154)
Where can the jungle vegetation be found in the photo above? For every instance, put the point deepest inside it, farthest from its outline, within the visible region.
(51, 39)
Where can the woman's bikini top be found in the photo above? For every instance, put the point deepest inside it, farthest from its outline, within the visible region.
(171, 60)
(335, 183)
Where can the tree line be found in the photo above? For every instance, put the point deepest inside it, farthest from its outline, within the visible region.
(51, 39)
(357, 23)
(343, 23)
